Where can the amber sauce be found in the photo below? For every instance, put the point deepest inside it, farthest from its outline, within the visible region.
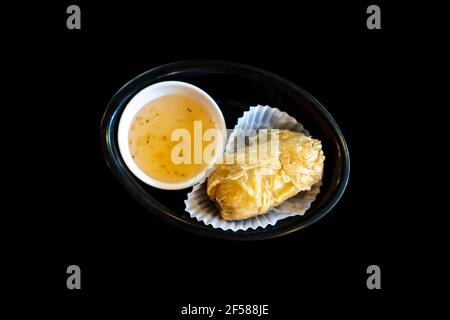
(150, 141)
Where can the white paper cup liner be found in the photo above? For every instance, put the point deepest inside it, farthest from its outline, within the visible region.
(200, 207)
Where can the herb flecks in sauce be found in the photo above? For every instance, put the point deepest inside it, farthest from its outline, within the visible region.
(150, 136)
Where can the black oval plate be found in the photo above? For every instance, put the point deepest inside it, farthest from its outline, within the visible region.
(234, 87)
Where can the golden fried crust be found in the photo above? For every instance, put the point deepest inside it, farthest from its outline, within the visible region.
(242, 191)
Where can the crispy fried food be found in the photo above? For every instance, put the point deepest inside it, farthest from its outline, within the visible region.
(246, 190)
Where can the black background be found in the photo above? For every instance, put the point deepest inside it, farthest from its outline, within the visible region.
(76, 213)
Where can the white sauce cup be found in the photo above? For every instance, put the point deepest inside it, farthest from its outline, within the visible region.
(150, 94)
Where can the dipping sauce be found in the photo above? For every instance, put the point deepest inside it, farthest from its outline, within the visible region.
(149, 136)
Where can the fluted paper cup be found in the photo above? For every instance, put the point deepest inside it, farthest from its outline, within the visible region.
(200, 207)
